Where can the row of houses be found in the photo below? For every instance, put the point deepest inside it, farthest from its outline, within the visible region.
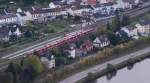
(140, 29)
(48, 59)
(56, 8)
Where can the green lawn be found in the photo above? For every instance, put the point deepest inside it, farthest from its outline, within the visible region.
(57, 26)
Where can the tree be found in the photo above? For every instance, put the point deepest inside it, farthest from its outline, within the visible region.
(6, 77)
(35, 62)
(116, 24)
(124, 37)
(90, 77)
(125, 20)
(69, 17)
(113, 38)
(27, 2)
(92, 37)
(15, 70)
(111, 68)
(77, 19)
(13, 38)
(108, 26)
(56, 51)
(61, 61)
(29, 33)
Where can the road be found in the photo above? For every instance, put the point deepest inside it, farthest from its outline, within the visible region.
(80, 75)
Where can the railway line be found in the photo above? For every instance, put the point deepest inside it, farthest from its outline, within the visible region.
(59, 40)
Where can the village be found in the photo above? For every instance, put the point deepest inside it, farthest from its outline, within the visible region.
(20, 26)
(33, 23)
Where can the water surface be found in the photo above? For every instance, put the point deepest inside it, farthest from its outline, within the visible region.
(140, 73)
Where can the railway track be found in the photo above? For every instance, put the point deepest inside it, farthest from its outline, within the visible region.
(104, 21)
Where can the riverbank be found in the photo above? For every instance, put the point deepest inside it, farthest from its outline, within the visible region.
(112, 69)
(108, 56)
(85, 63)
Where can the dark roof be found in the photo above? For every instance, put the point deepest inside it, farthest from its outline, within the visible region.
(97, 15)
(97, 5)
(47, 54)
(7, 10)
(7, 16)
(104, 4)
(103, 38)
(31, 8)
(46, 10)
(145, 22)
(22, 13)
(84, 6)
(130, 1)
(4, 11)
(108, 4)
(57, 2)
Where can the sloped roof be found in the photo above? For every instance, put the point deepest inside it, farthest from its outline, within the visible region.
(145, 22)
(7, 16)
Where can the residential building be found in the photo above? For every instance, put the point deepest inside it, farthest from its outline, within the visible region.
(86, 47)
(6, 32)
(48, 59)
(131, 32)
(105, 1)
(101, 42)
(22, 18)
(78, 10)
(72, 50)
(10, 18)
(105, 8)
(52, 5)
(88, 2)
(130, 3)
(143, 28)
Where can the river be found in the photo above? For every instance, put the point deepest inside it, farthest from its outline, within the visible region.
(140, 73)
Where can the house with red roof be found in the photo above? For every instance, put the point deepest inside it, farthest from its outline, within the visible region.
(86, 47)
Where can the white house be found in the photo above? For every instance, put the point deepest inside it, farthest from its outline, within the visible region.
(72, 52)
(130, 3)
(80, 9)
(52, 5)
(17, 32)
(22, 18)
(49, 62)
(143, 28)
(105, 8)
(42, 14)
(131, 32)
(101, 41)
(10, 18)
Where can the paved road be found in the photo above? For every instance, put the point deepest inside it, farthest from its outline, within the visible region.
(80, 75)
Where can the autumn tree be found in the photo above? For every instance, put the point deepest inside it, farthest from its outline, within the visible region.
(35, 62)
